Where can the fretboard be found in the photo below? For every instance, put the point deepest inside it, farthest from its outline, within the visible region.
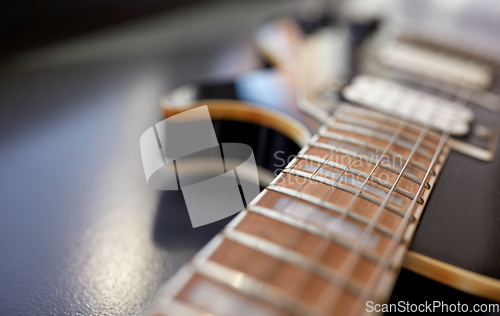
(328, 234)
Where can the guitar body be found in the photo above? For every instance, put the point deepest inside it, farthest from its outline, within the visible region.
(455, 253)
(458, 239)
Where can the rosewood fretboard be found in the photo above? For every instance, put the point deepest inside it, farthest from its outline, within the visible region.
(328, 234)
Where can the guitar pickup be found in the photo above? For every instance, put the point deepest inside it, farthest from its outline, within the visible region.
(411, 104)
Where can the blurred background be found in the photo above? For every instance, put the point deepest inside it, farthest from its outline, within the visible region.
(81, 233)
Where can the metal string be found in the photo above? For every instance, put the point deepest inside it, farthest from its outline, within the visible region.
(324, 243)
(381, 208)
(350, 262)
(333, 185)
(398, 235)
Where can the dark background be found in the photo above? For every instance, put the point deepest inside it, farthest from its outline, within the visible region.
(28, 24)
(81, 233)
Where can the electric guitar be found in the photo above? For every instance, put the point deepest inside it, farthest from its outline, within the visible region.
(401, 172)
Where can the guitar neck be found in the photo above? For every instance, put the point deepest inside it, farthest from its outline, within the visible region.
(328, 234)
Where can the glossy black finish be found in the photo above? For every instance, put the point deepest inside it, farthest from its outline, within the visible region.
(461, 223)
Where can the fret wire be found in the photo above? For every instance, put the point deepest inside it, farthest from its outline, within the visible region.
(401, 227)
(387, 117)
(367, 159)
(353, 140)
(362, 122)
(386, 164)
(362, 131)
(201, 264)
(393, 209)
(250, 286)
(292, 164)
(290, 256)
(245, 284)
(363, 175)
(436, 154)
(177, 282)
(327, 205)
(288, 203)
(315, 230)
(303, 186)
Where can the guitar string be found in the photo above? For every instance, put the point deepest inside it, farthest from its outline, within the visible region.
(325, 160)
(360, 189)
(347, 167)
(323, 245)
(324, 241)
(309, 179)
(342, 217)
(351, 261)
(344, 171)
(398, 235)
(340, 221)
(344, 214)
(396, 239)
(364, 239)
